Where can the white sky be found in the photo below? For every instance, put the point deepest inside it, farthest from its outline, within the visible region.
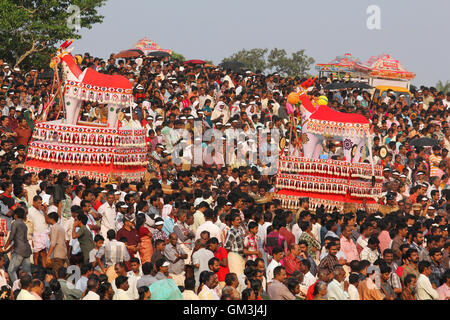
(413, 32)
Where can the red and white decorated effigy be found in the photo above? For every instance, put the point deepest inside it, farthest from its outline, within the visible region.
(98, 151)
(328, 182)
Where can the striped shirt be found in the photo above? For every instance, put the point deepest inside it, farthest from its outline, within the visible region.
(115, 251)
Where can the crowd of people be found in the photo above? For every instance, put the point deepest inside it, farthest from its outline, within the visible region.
(214, 231)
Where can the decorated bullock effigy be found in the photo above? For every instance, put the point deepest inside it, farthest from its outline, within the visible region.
(96, 150)
(328, 182)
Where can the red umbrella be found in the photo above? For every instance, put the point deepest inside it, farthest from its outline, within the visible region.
(194, 62)
(131, 53)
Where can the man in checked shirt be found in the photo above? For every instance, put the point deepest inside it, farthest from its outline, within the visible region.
(234, 244)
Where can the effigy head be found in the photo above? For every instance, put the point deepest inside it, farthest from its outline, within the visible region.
(54, 62)
(293, 98)
(322, 101)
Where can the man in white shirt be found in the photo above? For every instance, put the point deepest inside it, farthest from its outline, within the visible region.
(308, 278)
(208, 292)
(108, 213)
(277, 254)
(92, 286)
(199, 217)
(121, 282)
(334, 288)
(425, 290)
(353, 292)
(371, 253)
(38, 215)
(131, 290)
(208, 225)
(25, 292)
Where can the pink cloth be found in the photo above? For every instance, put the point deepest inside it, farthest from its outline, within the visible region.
(349, 248)
(385, 240)
(444, 292)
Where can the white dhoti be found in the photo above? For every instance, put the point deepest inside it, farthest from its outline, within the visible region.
(236, 263)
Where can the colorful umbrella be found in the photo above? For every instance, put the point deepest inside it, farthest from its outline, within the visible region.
(194, 62)
(131, 53)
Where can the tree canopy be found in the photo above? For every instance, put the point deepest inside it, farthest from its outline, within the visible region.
(275, 60)
(444, 87)
(29, 29)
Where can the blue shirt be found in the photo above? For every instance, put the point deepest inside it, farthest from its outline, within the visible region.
(168, 225)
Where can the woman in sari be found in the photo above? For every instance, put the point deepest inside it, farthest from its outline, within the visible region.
(146, 251)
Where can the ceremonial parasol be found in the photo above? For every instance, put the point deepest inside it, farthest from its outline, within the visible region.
(235, 66)
(194, 62)
(424, 142)
(131, 53)
(158, 54)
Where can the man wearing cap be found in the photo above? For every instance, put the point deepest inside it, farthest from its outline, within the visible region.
(129, 232)
(391, 204)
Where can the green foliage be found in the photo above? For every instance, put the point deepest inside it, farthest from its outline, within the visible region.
(444, 87)
(254, 59)
(29, 29)
(275, 60)
(178, 56)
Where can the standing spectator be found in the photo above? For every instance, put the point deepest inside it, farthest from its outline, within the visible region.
(175, 255)
(57, 253)
(290, 262)
(25, 291)
(121, 283)
(444, 290)
(221, 254)
(371, 253)
(84, 236)
(189, 287)
(108, 213)
(437, 272)
(208, 292)
(251, 249)
(425, 290)
(92, 288)
(410, 287)
(348, 246)
(21, 248)
(330, 261)
(129, 232)
(234, 244)
(200, 260)
(276, 289)
(38, 215)
(334, 288)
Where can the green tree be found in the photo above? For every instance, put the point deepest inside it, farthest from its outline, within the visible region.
(254, 59)
(295, 66)
(275, 60)
(444, 87)
(178, 56)
(30, 29)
